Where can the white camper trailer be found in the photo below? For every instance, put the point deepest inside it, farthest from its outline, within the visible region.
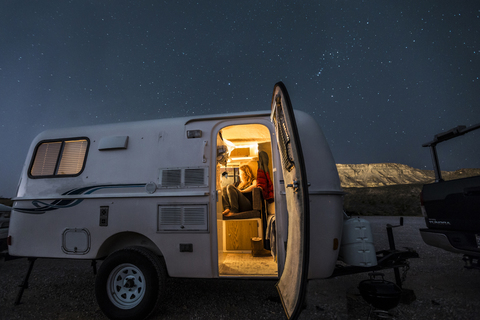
(146, 198)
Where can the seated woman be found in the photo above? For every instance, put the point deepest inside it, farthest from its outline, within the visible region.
(233, 197)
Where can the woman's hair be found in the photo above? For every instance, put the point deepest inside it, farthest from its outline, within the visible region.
(248, 173)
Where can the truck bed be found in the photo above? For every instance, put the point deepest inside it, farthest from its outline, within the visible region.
(452, 215)
(453, 205)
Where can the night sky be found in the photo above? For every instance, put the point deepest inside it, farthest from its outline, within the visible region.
(380, 77)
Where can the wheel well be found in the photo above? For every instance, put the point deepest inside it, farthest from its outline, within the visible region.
(126, 239)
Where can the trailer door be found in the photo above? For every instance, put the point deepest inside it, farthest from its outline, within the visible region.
(293, 281)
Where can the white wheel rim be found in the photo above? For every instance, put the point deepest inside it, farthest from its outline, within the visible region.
(126, 286)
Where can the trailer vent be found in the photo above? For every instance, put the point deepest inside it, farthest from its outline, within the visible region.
(194, 177)
(112, 143)
(182, 218)
(170, 216)
(171, 178)
(183, 177)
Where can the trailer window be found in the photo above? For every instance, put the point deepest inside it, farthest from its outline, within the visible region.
(59, 158)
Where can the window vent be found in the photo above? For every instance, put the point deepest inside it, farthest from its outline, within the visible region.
(183, 178)
(182, 218)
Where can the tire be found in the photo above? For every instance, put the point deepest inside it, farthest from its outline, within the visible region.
(130, 284)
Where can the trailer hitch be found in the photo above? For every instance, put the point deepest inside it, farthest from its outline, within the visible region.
(386, 259)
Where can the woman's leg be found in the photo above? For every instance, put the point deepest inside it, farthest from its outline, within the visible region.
(231, 198)
(225, 199)
(243, 203)
(234, 200)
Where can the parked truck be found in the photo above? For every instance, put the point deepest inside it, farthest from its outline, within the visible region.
(452, 208)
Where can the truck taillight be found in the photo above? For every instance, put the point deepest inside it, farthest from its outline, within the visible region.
(422, 205)
(9, 240)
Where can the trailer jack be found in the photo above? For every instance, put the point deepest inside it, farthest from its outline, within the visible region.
(24, 284)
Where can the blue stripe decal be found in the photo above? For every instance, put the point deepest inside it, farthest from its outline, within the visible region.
(42, 207)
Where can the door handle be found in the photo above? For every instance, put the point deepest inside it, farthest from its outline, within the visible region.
(294, 185)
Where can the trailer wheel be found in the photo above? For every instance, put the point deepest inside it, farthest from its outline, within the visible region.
(130, 284)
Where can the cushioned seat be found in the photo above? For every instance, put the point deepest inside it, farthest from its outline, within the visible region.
(257, 207)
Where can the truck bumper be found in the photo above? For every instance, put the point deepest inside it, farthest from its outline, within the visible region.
(453, 241)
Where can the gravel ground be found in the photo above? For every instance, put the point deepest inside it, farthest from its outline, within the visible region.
(62, 289)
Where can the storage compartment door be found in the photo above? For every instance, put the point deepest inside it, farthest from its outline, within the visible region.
(293, 281)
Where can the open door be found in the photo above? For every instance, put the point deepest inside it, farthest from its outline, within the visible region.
(293, 281)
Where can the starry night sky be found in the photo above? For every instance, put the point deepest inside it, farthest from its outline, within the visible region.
(380, 77)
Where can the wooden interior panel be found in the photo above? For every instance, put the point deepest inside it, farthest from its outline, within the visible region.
(240, 233)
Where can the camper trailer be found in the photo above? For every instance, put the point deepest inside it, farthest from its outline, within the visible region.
(147, 199)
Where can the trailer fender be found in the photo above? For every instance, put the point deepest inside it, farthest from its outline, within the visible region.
(126, 239)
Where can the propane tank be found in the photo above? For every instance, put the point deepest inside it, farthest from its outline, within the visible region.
(357, 247)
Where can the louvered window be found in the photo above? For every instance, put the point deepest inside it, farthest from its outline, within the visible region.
(182, 218)
(59, 158)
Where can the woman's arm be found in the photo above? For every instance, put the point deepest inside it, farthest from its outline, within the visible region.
(249, 189)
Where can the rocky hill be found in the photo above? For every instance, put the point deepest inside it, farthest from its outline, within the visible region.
(381, 174)
(387, 174)
(388, 188)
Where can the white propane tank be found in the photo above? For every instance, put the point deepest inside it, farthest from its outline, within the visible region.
(357, 247)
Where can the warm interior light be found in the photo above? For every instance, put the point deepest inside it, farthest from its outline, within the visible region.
(242, 158)
(243, 152)
(230, 145)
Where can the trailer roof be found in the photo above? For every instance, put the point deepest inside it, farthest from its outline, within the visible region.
(174, 121)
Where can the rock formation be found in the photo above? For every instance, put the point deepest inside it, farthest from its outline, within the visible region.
(381, 174)
(388, 189)
(386, 174)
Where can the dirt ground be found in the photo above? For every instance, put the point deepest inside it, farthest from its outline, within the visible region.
(444, 289)
(61, 289)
